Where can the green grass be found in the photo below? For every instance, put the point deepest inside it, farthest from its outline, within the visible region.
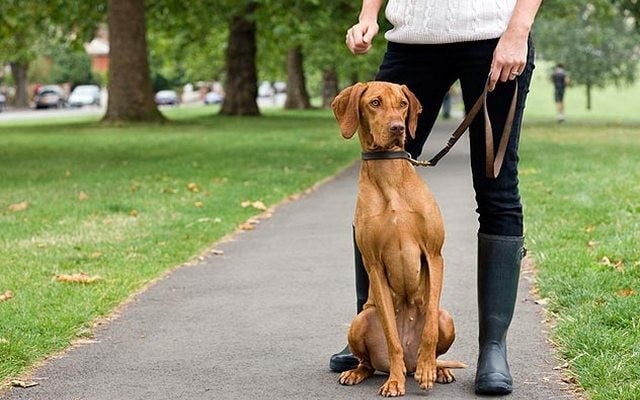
(140, 216)
(581, 192)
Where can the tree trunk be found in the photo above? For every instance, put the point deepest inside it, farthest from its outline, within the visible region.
(329, 86)
(19, 74)
(241, 86)
(131, 96)
(589, 96)
(297, 95)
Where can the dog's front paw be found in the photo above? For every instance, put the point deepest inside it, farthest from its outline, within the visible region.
(392, 388)
(355, 376)
(426, 372)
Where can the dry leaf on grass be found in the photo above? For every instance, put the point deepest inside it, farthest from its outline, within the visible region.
(82, 196)
(217, 252)
(6, 296)
(80, 277)
(18, 206)
(626, 292)
(193, 187)
(198, 204)
(258, 205)
(23, 384)
(618, 265)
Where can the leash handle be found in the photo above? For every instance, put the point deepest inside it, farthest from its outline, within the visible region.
(493, 163)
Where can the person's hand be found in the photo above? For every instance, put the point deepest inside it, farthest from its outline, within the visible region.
(509, 58)
(360, 35)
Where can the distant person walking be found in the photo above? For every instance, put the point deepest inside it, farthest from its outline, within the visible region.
(560, 81)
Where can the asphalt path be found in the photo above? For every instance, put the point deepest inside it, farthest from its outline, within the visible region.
(260, 321)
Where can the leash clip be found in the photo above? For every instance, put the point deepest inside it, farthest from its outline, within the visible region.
(420, 163)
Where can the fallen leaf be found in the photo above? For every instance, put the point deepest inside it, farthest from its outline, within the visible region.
(542, 302)
(618, 265)
(6, 296)
(247, 226)
(133, 213)
(23, 384)
(258, 205)
(217, 252)
(626, 292)
(569, 379)
(3, 340)
(95, 254)
(589, 228)
(18, 206)
(193, 187)
(82, 196)
(80, 277)
(563, 366)
(592, 244)
(198, 204)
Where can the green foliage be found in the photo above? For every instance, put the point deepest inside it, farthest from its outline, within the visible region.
(594, 40)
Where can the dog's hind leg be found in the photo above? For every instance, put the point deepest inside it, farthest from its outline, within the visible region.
(358, 334)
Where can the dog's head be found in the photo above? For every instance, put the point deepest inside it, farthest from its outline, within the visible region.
(381, 112)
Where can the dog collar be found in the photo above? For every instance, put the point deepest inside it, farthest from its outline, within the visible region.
(385, 155)
(393, 155)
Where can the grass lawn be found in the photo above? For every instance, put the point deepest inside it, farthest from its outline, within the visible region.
(581, 190)
(128, 204)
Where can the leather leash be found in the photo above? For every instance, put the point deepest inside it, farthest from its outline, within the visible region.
(493, 162)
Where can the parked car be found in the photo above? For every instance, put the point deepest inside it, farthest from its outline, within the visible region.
(3, 102)
(166, 97)
(213, 98)
(50, 96)
(85, 95)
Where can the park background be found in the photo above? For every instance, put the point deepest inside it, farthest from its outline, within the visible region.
(130, 196)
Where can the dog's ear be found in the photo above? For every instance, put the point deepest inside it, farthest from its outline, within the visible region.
(414, 109)
(346, 108)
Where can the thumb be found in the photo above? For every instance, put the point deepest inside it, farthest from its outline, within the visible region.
(369, 33)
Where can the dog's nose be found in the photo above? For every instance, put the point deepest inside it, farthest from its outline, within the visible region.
(396, 128)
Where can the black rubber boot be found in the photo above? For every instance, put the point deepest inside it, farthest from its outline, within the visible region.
(344, 360)
(499, 259)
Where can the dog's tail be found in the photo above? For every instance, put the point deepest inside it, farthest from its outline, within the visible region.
(450, 364)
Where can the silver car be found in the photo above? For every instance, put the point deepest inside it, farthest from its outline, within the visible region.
(85, 95)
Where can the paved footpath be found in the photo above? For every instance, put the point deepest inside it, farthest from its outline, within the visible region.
(260, 321)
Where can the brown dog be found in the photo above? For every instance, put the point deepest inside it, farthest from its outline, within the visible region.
(400, 234)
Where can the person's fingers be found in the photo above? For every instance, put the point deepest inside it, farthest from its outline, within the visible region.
(359, 37)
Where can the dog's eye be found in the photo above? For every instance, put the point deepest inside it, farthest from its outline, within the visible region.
(403, 104)
(376, 103)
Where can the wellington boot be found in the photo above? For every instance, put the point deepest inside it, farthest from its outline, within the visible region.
(499, 259)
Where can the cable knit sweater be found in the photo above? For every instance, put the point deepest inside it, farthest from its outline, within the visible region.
(447, 21)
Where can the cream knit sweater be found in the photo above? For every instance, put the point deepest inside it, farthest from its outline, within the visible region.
(447, 21)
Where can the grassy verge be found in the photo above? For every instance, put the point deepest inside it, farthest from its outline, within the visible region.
(582, 197)
(130, 203)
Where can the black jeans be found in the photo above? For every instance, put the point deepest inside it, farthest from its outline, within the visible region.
(429, 70)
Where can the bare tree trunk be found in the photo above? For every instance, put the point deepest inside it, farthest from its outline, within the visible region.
(131, 96)
(329, 86)
(297, 95)
(241, 86)
(19, 74)
(589, 96)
